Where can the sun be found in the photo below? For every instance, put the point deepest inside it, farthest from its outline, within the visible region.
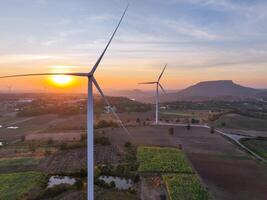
(61, 80)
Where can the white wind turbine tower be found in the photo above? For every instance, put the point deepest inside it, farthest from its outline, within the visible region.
(90, 111)
(157, 93)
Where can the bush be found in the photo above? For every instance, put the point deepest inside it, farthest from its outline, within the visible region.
(212, 130)
(79, 184)
(102, 141)
(195, 121)
(32, 147)
(56, 190)
(112, 184)
(22, 138)
(50, 141)
(188, 127)
(83, 137)
(63, 146)
(128, 144)
(105, 124)
(171, 131)
(47, 152)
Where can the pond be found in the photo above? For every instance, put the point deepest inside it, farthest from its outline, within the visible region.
(121, 183)
(57, 180)
(12, 127)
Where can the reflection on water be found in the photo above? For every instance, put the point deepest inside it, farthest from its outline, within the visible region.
(121, 183)
(12, 127)
(57, 180)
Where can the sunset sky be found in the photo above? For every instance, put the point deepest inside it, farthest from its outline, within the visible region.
(199, 39)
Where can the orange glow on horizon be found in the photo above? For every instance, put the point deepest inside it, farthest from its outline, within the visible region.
(61, 81)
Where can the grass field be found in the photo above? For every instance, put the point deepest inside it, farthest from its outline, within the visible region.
(16, 185)
(257, 145)
(235, 121)
(157, 159)
(18, 161)
(185, 187)
(179, 114)
(114, 195)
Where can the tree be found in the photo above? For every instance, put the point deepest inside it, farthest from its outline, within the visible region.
(212, 129)
(50, 141)
(22, 138)
(47, 152)
(188, 127)
(128, 144)
(171, 131)
(32, 147)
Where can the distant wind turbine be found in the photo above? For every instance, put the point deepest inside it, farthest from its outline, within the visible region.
(90, 111)
(9, 88)
(157, 93)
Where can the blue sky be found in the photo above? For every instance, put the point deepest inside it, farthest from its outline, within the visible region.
(199, 39)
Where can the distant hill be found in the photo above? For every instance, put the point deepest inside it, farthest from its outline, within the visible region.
(217, 89)
(212, 90)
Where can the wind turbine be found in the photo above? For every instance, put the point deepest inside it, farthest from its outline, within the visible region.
(9, 87)
(90, 110)
(157, 92)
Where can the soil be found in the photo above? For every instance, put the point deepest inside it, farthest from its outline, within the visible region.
(228, 172)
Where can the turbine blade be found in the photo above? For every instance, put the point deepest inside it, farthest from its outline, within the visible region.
(103, 53)
(46, 74)
(148, 83)
(162, 88)
(109, 105)
(162, 72)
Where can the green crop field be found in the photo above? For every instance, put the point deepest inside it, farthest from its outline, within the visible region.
(257, 145)
(185, 187)
(236, 121)
(161, 159)
(14, 186)
(18, 161)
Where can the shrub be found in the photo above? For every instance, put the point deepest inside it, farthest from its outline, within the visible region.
(105, 124)
(171, 131)
(112, 184)
(128, 144)
(22, 138)
(212, 130)
(47, 152)
(188, 127)
(32, 147)
(50, 141)
(63, 146)
(102, 141)
(83, 137)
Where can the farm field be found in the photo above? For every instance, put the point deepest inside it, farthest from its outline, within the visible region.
(185, 186)
(257, 145)
(235, 121)
(181, 182)
(159, 159)
(223, 167)
(102, 194)
(18, 161)
(15, 186)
